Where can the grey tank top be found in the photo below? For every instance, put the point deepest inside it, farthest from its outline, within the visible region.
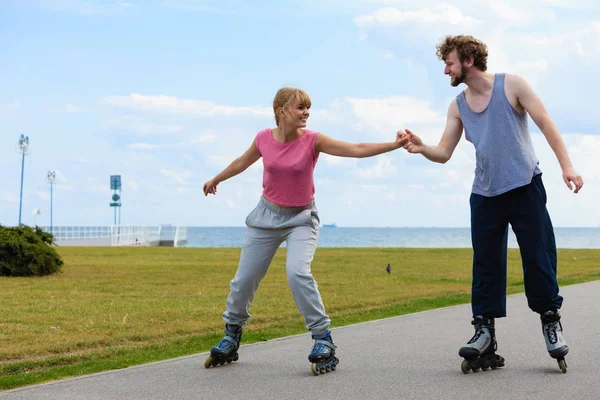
(505, 156)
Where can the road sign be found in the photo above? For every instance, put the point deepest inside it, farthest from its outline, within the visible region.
(115, 182)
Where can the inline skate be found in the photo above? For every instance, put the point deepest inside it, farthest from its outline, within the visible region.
(226, 350)
(322, 356)
(555, 342)
(480, 351)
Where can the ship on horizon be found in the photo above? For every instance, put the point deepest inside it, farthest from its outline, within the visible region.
(334, 225)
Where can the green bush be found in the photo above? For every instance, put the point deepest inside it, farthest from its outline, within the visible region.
(25, 252)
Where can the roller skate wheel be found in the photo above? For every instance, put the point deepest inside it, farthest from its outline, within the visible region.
(562, 365)
(463, 367)
(229, 361)
(485, 368)
(333, 367)
(236, 357)
(327, 368)
(314, 369)
(475, 369)
(221, 362)
(208, 362)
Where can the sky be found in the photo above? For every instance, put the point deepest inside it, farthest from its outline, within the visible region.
(166, 93)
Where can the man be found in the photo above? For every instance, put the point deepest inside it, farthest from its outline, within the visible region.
(507, 189)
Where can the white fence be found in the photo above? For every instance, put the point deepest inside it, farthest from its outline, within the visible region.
(118, 235)
(135, 236)
(180, 236)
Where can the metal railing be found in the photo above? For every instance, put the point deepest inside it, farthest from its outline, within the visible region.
(116, 235)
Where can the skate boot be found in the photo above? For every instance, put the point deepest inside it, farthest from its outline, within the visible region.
(480, 351)
(555, 342)
(226, 350)
(322, 356)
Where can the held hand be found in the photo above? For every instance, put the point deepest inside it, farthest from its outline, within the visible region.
(570, 176)
(414, 144)
(210, 187)
(401, 139)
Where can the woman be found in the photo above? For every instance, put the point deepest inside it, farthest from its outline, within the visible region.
(285, 212)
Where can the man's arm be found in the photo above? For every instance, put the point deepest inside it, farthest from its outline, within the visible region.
(535, 108)
(450, 138)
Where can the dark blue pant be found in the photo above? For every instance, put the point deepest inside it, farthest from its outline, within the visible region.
(524, 208)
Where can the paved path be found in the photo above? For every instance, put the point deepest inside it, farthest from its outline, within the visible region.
(408, 357)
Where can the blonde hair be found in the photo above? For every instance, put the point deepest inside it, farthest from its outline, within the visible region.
(288, 97)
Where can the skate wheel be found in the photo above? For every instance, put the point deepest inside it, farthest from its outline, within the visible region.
(485, 368)
(221, 362)
(476, 369)
(463, 367)
(236, 357)
(327, 368)
(562, 365)
(314, 369)
(494, 367)
(229, 361)
(333, 367)
(208, 362)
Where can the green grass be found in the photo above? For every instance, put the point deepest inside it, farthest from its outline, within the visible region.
(116, 307)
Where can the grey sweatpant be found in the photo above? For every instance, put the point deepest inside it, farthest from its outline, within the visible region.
(268, 226)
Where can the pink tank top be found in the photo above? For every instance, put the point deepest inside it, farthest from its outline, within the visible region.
(288, 168)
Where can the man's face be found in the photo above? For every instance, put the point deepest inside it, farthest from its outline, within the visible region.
(454, 68)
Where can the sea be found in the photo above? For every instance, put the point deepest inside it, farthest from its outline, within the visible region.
(568, 238)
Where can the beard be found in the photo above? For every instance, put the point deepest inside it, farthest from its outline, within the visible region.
(458, 79)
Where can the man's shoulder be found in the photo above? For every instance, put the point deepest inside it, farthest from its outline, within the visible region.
(453, 110)
(514, 79)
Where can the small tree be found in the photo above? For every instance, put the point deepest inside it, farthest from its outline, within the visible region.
(25, 252)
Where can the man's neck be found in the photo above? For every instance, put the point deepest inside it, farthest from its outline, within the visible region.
(479, 82)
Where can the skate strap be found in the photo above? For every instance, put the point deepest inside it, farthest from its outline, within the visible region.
(230, 339)
(326, 343)
(233, 334)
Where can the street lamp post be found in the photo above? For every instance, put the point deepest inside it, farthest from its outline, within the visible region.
(51, 179)
(23, 150)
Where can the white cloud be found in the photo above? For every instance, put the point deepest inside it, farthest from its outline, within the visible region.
(151, 186)
(179, 177)
(519, 15)
(142, 126)
(146, 146)
(89, 7)
(206, 138)
(132, 185)
(73, 109)
(8, 197)
(443, 14)
(338, 161)
(173, 105)
(10, 106)
(388, 115)
(383, 167)
(194, 5)
(536, 66)
(44, 196)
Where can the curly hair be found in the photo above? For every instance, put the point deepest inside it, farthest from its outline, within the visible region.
(466, 46)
